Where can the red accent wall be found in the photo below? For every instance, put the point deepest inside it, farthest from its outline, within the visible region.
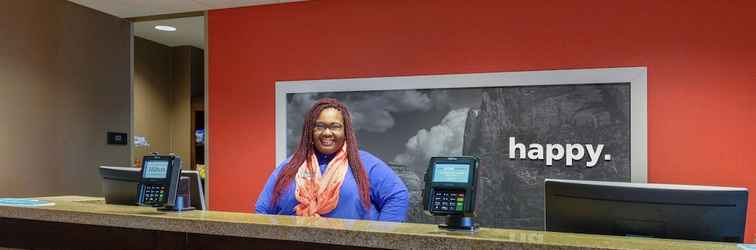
(701, 59)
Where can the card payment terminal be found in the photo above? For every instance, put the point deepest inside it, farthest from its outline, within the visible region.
(450, 186)
(159, 180)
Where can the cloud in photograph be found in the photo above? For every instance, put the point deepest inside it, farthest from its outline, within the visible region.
(295, 112)
(443, 139)
(373, 112)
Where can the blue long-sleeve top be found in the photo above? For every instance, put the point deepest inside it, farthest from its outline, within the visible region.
(388, 194)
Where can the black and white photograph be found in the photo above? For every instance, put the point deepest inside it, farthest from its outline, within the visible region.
(405, 128)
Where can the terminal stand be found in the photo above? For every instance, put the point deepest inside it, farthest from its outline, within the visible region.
(459, 223)
(178, 206)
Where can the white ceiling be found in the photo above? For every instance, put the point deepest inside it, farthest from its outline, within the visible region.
(189, 31)
(140, 8)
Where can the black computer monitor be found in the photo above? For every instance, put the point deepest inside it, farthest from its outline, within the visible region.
(646, 210)
(120, 186)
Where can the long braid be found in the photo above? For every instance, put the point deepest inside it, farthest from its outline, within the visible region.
(305, 148)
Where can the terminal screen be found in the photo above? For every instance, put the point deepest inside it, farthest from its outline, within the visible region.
(456, 173)
(155, 169)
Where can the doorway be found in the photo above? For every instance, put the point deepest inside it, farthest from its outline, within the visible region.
(169, 89)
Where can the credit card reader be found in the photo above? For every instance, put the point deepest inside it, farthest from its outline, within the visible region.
(159, 181)
(450, 187)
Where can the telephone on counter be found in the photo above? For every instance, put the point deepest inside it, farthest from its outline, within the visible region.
(159, 183)
(450, 190)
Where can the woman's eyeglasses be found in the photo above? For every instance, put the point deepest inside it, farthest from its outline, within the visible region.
(336, 127)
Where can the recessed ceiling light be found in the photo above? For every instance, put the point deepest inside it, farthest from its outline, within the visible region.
(165, 28)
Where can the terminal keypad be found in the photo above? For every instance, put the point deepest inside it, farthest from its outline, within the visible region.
(448, 201)
(154, 194)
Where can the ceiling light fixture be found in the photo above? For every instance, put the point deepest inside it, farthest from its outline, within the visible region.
(165, 28)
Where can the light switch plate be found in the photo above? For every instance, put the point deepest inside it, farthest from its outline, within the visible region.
(116, 138)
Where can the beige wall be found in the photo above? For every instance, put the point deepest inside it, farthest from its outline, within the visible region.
(152, 98)
(182, 104)
(64, 82)
(162, 98)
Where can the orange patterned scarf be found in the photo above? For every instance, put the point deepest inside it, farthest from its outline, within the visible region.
(319, 194)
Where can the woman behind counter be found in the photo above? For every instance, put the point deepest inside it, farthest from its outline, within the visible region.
(328, 176)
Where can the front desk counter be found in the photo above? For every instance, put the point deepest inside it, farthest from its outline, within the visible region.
(77, 222)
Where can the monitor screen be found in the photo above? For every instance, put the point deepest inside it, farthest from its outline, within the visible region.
(454, 173)
(646, 210)
(155, 169)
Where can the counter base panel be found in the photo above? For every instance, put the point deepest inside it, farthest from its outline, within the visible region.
(32, 234)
